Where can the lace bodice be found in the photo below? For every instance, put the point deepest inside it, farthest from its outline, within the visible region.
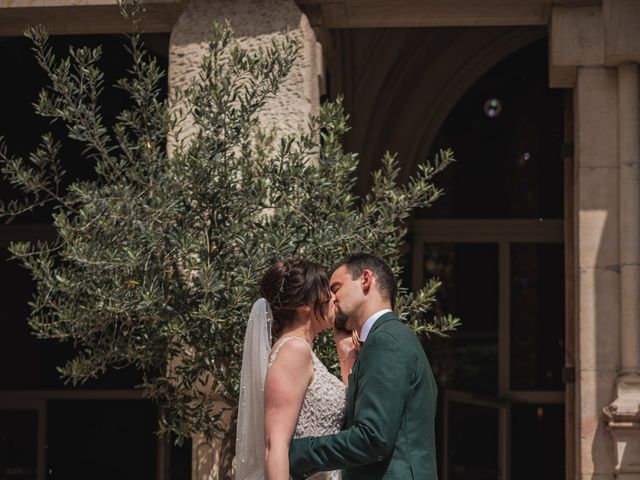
(324, 405)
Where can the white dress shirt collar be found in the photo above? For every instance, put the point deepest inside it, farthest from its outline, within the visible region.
(366, 328)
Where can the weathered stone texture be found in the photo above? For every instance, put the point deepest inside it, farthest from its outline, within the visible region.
(596, 112)
(597, 388)
(599, 311)
(598, 335)
(256, 24)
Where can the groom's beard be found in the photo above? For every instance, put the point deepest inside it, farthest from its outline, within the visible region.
(341, 320)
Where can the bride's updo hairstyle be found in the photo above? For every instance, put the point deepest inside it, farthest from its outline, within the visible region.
(293, 283)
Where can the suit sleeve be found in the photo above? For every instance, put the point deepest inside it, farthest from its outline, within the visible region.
(383, 378)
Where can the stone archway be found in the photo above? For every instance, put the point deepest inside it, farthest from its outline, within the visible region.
(418, 73)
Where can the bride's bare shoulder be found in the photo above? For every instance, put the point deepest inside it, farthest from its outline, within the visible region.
(290, 349)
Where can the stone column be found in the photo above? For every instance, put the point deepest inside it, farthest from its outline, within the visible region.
(598, 278)
(622, 49)
(255, 24)
(577, 62)
(629, 161)
(624, 413)
(592, 51)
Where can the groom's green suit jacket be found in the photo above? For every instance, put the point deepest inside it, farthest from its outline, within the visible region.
(391, 405)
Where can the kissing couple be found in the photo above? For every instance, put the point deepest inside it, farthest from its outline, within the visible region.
(297, 420)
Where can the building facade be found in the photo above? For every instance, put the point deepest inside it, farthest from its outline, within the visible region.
(537, 240)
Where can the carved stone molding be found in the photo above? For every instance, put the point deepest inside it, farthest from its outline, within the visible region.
(623, 421)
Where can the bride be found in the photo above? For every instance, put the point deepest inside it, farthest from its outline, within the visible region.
(285, 390)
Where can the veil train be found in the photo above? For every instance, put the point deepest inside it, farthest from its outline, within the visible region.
(250, 430)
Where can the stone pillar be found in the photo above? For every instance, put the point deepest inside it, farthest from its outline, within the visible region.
(255, 24)
(629, 161)
(624, 412)
(592, 51)
(598, 279)
(622, 49)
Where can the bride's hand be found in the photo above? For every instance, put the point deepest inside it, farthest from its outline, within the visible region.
(345, 347)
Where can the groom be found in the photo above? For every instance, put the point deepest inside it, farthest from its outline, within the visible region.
(391, 400)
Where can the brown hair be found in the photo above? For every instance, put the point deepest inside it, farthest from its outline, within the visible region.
(293, 283)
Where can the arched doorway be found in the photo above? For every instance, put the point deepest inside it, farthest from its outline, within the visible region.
(496, 240)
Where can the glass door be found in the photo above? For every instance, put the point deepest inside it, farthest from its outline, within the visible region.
(476, 437)
(500, 375)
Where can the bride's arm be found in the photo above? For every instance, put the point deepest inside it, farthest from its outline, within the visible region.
(284, 391)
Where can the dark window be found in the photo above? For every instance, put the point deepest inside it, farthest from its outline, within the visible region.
(101, 440)
(473, 442)
(506, 133)
(18, 444)
(96, 439)
(537, 316)
(26, 362)
(468, 359)
(537, 441)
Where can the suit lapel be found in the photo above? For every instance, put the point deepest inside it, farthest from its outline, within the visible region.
(382, 320)
(355, 371)
(352, 392)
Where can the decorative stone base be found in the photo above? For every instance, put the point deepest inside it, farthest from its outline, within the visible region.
(624, 423)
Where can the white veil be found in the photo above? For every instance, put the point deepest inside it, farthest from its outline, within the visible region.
(250, 430)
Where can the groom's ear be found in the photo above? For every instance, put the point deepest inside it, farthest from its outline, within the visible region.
(366, 280)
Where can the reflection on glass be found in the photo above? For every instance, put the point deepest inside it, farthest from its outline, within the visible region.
(18, 444)
(468, 360)
(537, 316)
(473, 442)
(492, 107)
(537, 442)
(506, 133)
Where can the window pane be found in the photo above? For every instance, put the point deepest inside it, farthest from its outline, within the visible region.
(18, 444)
(101, 440)
(468, 360)
(25, 362)
(537, 316)
(30, 363)
(537, 442)
(180, 461)
(22, 129)
(473, 450)
(19, 355)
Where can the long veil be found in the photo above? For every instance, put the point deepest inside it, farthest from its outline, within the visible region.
(250, 430)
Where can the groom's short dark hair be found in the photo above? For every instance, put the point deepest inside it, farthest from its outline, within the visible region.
(358, 262)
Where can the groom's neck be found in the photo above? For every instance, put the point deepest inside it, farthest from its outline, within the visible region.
(369, 309)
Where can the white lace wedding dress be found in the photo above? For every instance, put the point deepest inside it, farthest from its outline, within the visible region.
(324, 405)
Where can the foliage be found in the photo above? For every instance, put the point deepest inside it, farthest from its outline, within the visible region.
(157, 260)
